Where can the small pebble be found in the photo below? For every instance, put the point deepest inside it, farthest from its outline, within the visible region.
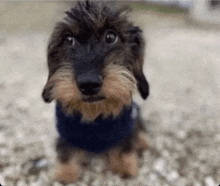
(160, 165)
(12, 173)
(173, 176)
(197, 184)
(32, 179)
(144, 170)
(22, 103)
(20, 183)
(33, 167)
(42, 180)
(57, 184)
(26, 168)
(181, 134)
(2, 180)
(42, 164)
(209, 181)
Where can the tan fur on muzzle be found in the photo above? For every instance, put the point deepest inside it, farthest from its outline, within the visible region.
(117, 88)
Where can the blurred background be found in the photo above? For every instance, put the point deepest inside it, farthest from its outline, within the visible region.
(182, 65)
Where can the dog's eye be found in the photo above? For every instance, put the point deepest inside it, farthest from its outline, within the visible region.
(110, 37)
(70, 40)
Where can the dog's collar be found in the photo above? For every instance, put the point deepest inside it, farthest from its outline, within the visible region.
(99, 135)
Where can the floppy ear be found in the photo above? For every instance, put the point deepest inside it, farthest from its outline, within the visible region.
(52, 61)
(46, 94)
(51, 56)
(137, 45)
(142, 84)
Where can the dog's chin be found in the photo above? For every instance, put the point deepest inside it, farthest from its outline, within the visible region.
(93, 99)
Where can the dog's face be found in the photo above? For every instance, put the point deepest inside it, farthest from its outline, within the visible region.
(95, 60)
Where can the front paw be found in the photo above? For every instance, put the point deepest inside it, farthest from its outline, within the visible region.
(115, 161)
(130, 166)
(141, 144)
(123, 163)
(67, 172)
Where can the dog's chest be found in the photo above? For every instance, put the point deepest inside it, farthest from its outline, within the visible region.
(97, 136)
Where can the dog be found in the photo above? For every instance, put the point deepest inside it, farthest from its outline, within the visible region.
(95, 60)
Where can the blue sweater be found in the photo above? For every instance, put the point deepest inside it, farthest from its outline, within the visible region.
(97, 136)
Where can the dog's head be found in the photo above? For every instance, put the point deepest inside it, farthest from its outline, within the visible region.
(95, 60)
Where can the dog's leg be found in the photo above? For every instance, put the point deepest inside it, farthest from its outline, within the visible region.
(123, 163)
(67, 172)
(129, 162)
(68, 167)
(123, 159)
(115, 160)
(129, 157)
(141, 135)
(141, 141)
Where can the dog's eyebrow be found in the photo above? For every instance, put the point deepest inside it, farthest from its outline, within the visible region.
(71, 15)
(134, 29)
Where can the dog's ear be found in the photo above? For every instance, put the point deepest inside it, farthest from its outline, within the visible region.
(137, 45)
(142, 85)
(47, 91)
(56, 39)
(46, 94)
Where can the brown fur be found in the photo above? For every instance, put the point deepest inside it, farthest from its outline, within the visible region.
(118, 86)
(123, 163)
(115, 161)
(120, 64)
(141, 141)
(130, 167)
(67, 172)
(68, 168)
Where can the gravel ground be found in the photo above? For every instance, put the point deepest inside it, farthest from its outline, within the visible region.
(182, 113)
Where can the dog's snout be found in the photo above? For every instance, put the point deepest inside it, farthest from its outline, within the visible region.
(89, 84)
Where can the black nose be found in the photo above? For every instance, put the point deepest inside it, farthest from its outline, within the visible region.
(89, 84)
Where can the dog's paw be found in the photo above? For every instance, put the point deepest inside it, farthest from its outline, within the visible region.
(115, 161)
(141, 141)
(67, 173)
(124, 164)
(129, 162)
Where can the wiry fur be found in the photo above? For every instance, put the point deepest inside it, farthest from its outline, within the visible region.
(122, 68)
(119, 65)
(117, 88)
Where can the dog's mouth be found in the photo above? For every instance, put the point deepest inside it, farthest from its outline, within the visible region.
(93, 99)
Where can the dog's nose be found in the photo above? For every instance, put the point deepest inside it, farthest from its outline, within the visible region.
(89, 84)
